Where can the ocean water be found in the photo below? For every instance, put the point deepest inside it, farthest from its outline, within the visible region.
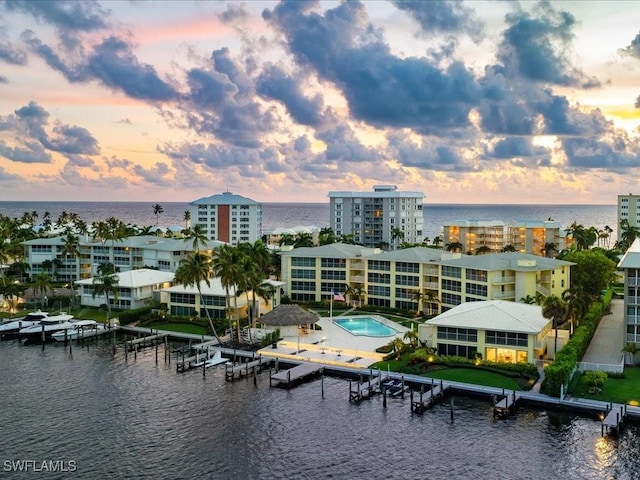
(305, 214)
(129, 419)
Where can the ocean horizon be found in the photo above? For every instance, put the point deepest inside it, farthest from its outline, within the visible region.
(294, 214)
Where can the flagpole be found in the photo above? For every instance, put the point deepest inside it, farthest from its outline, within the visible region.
(331, 308)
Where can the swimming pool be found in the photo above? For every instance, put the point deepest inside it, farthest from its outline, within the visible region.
(366, 326)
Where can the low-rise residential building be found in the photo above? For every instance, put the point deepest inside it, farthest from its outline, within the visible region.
(543, 238)
(495, 330)
(136, 288)
(130, 253)
(418, 278)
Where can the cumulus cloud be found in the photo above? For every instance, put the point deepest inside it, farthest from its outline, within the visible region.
(64, 14)
(536, 47)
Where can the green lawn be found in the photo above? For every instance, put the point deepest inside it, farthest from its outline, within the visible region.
(476, 377)
(181, 327)
(617, 390)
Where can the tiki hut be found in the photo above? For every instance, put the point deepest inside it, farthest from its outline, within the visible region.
(288, 318)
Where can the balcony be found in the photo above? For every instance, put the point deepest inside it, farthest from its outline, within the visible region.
(497, 280)
(631, 338)
(356, 278)
(431, 286)
(544, 291)
(502, 295)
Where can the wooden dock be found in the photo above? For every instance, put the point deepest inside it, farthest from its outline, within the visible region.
(365, 388)
(505, 406)
(427, 399)
(614, 417)
(235, 370)
(292, 376)
(144, 342)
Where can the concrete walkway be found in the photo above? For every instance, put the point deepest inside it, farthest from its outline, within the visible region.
(608, 341)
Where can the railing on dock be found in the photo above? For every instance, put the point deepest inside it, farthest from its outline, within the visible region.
(427, 399)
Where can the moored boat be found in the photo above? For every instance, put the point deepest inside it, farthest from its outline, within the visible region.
(80, 329)
(47, 327)
(12, 327)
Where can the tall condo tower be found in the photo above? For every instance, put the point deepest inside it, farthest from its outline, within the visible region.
(228, 217)
(383, 218)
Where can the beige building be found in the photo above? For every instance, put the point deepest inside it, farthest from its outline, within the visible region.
(496, 331)
(421, 279)
(630, 264)
(628, 209)
(524, 236)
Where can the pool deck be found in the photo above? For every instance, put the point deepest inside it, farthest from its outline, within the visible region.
(333, 345)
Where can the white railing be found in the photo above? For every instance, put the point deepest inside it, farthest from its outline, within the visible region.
(602, 367)
(499, 279)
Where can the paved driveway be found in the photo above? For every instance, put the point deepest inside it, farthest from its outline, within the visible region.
(607, 342)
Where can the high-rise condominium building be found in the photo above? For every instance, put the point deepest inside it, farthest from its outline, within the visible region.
(228, 217)
(628, 209)
(383, 217)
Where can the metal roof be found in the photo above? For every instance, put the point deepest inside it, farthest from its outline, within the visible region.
(631, 258)
(225, 198)
(494, 315)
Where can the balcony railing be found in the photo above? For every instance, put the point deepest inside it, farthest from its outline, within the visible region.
(633, 319)
(631, 338)
(501, 295)
(498, 280)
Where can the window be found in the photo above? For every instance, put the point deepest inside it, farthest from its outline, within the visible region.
(477, 275)
(453, 285)
(475, 289)
(334, 275)
(410, 280)
(379, 291)
(449, 271)
(303, 262)
(305, 274)
(379, 265)
(304, 286)
(407, 267)
(506, 338)
(183, 298)
(375, 277)
(333, 262)
(458, 334)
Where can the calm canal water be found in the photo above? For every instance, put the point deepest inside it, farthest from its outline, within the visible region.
(119, 419)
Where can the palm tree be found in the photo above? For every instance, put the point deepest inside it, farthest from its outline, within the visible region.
(303, 240)
(347, 238)
(555, 309)
(437, 241)
(396, 233)
(11, 290)
(193, 270)
(453, 247)
(326, 236)
(628, 234)
(416, 296)
(197, 235)
(157, 210)
(187, 219)
(106, 283)
(608, 230)
(356, 292)
(631, 349)
(42, 285)
(286, 239)
(430, 298)
(412, 337)
(508, 248)
(116, 231)
(70, 246)
(549, 249)
(398, 346)
(576, 303)
(482, 250)
(226, 266)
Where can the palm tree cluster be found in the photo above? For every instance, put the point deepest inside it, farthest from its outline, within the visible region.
(241, 269)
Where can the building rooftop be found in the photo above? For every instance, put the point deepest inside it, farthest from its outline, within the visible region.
(506, 261)
(631, 258)
(494, 315)
(332, 250)
(137, 278)
(225, 198)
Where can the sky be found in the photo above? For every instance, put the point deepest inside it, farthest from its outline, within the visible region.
(468, 102)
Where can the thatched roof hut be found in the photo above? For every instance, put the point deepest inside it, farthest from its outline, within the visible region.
(288, 315)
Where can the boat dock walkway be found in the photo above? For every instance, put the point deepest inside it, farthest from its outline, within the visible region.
(365, 388)
(291, 376)
(614, 418)
(505, 405)
(235, 370)
(420, 404)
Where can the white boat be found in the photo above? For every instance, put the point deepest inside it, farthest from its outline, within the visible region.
(48, 325)
(80, 329)
(216, 359)
(12, 327)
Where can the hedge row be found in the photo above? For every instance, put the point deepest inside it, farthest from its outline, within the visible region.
(559, 372)
(422, 356)
(129, 316)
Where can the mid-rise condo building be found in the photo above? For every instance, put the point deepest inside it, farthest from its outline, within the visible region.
(382, 218)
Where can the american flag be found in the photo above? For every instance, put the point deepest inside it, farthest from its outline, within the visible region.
(338, 297)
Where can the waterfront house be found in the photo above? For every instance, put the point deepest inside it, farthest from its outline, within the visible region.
(497, 330)
(136, 288)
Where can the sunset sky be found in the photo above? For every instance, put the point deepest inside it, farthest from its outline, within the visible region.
(468, 102)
